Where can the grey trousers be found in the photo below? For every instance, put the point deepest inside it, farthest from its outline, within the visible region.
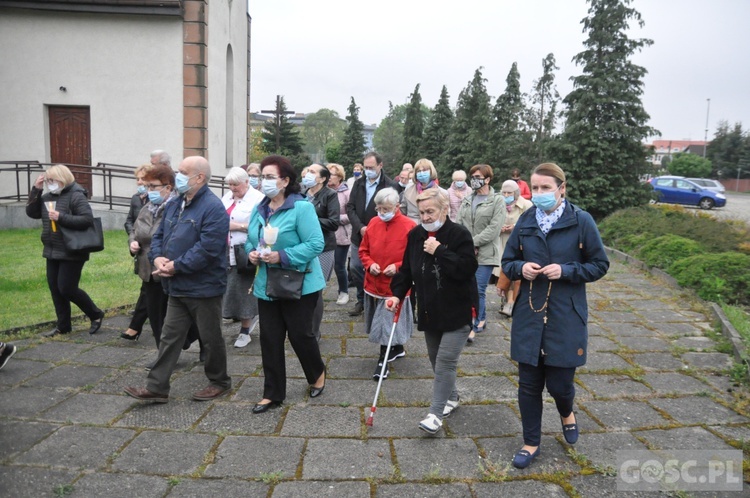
(444, 348)
(181, 313)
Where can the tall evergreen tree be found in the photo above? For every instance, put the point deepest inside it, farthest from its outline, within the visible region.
(389, 139)
(436, 135)
(724, 151)
(602, 148)
(469, 142)
(413, 128)
(289, 141)
(353, 143)
(542, 117)
(511, 141)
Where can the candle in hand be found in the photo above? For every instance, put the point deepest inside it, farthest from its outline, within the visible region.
(51, 207)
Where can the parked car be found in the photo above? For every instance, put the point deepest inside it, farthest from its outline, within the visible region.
(709, 184)
(680, 190)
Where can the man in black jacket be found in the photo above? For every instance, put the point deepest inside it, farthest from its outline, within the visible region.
(361, 209)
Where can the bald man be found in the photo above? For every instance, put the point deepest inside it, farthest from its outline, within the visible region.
(189, 252)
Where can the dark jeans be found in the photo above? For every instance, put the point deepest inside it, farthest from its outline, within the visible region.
(340, 267)
(63, 278)
(140, 312)
(155, 301)
(358, 273)
(531, 381)
(182, 312)
(277, 319)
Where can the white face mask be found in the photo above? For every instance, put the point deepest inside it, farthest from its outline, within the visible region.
(432, 227)
(53, 187)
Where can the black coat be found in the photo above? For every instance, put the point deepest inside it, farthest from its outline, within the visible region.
(359, 214)
(327, 207)
(75, 212)
(136, 203)
(445, 282)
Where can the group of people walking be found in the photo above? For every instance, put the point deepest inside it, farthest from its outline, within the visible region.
(262, 255)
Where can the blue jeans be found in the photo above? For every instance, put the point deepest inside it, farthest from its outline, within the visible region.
(339, 266)
(483, 274)
(531, 382)
(358, 273)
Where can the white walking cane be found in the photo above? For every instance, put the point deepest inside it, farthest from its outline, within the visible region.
(396, 314)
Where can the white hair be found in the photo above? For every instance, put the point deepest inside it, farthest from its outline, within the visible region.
(163, 157)
(386, 196)
(237, 175)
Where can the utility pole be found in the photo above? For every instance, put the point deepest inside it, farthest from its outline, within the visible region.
(278, 113)
(705, 136)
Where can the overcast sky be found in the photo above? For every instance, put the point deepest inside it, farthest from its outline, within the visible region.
(319, 54)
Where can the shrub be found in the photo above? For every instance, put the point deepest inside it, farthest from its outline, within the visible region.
(663, 251)
(721, 278)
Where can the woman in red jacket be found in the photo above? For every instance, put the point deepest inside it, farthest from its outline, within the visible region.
(381, 253)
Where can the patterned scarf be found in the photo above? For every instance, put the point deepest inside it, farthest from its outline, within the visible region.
(546, 221)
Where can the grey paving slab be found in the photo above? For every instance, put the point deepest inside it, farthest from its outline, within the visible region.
(677, 329)
(499, 452)
(658, 361)
(19, 370)
(482, 364)
(28, 401)
(32, 482)
(601, 449)
(53, 351)
(203, 488)
(85, 408)
(405, 392)
(177, 415)
(641, 343)
(698, 410)
(483, 420)
(620, 329)
(70, 376)
(351, 368)
(603, 486)
(624, 415)
(664, 315)
(604, 361)
(238, 418)
(250, 457)
(406, 368)
(172, 453)
(599, 343)
(739, 434)
(551, 423)
(109, 356)
(322, 421)
(336, 329)
(346, 459)
(675, 383)
(474, 389)
(609, 317)
(414, 490)
(19, 436)
(709, 361)
(117, 380)
(332, 489)
(397, 422)
(115, 485)
(695, 343)
(613, 386)
(520, 488)
(347, 393)
(76, 447)
(456, 458)
(251, 391)
(682, 438)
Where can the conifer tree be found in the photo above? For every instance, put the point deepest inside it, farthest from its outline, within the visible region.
(543, 115)
(413, 128)
(353, 144)
(510, 139)
(289, 143)
(469, 142)
(389, 139)
(436, 135)
(602, 148)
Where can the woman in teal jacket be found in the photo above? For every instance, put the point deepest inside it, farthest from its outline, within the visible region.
(284, 231)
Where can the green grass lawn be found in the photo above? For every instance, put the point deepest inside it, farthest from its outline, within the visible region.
(24, 296)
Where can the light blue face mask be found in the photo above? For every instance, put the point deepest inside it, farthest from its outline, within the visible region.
(509, 199)
(371, 174)
(254, 182)
(545, 201)
(309, 180)
(460, 184)
(181, 183)
(155, 197)
(269, 188)
(387, 216)
(142, 189)
(423, 177)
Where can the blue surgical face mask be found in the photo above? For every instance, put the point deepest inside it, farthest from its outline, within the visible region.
(371, 174)
(254, 182)
(309, 180)
(155, 197)
(269, 188)
(181, 183)
(509, 199)
(423, 177)
(545, 201)
(387, 216)
(142, 189)
(460, 184)
(357, 174)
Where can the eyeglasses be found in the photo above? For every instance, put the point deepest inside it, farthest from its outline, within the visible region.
(269, 177)
(477, 178)
(254, 176)
(155, 187)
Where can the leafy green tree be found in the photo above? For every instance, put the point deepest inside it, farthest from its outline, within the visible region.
(511, 140)
(289, 142)
(333, 152)
(469, 142)
(389, 139)
(413, 128)
(436, 135)
(255, 150)
(602, 145)
(725, 149)
(320, 129)
(543, 114)
(353, 143)
(691, 165)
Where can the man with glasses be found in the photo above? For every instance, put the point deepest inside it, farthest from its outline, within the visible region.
(189, 252)
(361, 209)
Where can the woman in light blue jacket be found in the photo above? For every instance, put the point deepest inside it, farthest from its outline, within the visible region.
(284, 231)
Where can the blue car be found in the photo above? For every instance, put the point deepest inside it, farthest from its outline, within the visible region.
(680, 190)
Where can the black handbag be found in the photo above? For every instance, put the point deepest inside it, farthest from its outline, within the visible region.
(284, 283)
(244, 266)
(89, 240)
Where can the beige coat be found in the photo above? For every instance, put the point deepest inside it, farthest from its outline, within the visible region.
(511, 218)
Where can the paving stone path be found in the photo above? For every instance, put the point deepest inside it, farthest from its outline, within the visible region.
(655, 379)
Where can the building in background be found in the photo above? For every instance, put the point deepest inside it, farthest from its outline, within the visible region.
(668, 148)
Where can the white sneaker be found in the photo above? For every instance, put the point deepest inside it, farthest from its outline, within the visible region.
(242, 340)
(507, 309)
(450, 407)
(431, 424)
(343, 298)
(254, 323)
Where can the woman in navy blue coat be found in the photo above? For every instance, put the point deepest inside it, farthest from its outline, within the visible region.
(554, 251)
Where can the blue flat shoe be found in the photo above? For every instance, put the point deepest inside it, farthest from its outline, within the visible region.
(523, 458)
(570, 432)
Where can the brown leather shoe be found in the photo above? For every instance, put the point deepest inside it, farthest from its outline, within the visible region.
(209, 393)
(143, 394)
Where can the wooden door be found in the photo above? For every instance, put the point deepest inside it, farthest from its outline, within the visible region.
(70, 140)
